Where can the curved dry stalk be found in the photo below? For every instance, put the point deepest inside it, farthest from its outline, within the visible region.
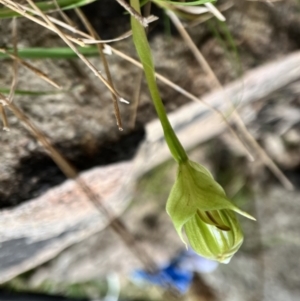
(215, 11)
(86, 38)
(97, 41)
(67, 39)
(73, 47)
(223, 7)
(238, 120)
(21, 9)
(94, 34)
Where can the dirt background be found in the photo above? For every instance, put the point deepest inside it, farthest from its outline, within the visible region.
(81, 124)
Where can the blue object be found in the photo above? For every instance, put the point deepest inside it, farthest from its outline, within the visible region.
(178, 273)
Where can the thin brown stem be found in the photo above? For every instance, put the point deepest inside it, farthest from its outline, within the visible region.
(136, 98)
(63, 15)
(236, 117)
(94, 34)
(73, 47)
(133, 12)
(4, 118)
(22, 10)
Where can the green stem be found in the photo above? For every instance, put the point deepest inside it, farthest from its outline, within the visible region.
(144, 52)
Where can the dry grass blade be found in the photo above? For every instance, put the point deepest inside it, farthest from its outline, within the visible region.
(121, 37)
(133, 12)
(38, 72)
(22, 10)
(73, 47)
(96, 41)
(204, 18)
(238, 120)
(136, 99)
(86, 38)
(94, 34)
(166, 81)
(63, 15)
(4, 118)
(215, 11)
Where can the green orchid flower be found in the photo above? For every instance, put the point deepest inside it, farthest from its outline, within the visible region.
(199, 204)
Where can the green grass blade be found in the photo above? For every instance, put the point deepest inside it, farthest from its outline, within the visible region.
(52, 53)
(31, 93)
(47, 6)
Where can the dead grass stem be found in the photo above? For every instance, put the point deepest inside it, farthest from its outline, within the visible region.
(264, 157)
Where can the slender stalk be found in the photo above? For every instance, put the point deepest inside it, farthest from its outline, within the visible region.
(144, 52)
(95, 35)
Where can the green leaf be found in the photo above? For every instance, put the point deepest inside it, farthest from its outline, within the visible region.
(51, 53)
(31, 93)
